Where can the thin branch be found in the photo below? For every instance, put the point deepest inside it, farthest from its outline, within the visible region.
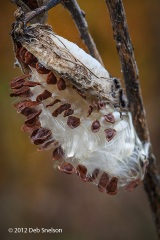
(29, 5)
(50, 4)
(129, 66)
(133, 91)
(79, 17)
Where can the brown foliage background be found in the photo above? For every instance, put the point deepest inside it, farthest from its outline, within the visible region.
(33, 194)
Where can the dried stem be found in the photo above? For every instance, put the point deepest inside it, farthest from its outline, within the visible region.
(79, 17)
(48, 5)
(133, 91)
(27, 6)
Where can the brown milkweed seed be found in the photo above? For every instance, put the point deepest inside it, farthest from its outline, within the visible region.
(30, 59)
(61, 84)
(110, 133)
(95, 126)
(51, 78)
(27, 111)
(103, 182)
(30, 129)
(32, 118)
(66, 168)
(61, 109)
(109, 118)
(47, 144)
(53, 103)
(58, 154)
(18, 82)
(23, 91)
(31, 84)
(81, 172)
(73, 122)
(40, 135)
(41, 69)
(112, 187)
(68, 112)
(94, 175)
(132, 185)
(25, 104)
(44, 95)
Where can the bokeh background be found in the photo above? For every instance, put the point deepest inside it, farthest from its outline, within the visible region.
(33, 194)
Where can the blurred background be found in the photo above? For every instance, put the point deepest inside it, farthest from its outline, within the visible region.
(33, 193)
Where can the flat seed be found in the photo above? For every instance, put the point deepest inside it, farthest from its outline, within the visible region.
(40, 135)
(68, 112)
(17, 85)
(112, 187)
(51, 78)
(30, 129)
(110, 133)
(18, 82)
(94, 175)
(25, 104)
(44, 95)
(28, 111)
(30, 59)
(109, 118)
(82, 172)
(31, 84)
(47, 144)
(32, 118)
(103, 182)
(66, 168)
(73, 122)
(61, 109)
(95, 126)
(132, 185)
(41, 69)
(61, 84)
(58, 154)
(53, 103)
(23, 91)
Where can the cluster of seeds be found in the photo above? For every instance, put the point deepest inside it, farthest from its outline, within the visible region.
(73, 107)
(41, 96)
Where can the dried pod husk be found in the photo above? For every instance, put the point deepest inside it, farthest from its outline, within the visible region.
(80, 106)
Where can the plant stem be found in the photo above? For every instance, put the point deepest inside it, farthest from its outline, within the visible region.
(48, 5)
(28, 6)
(133, 91)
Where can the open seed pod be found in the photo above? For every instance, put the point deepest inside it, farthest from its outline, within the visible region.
(75, 108)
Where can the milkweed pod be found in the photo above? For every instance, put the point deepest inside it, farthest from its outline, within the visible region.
(79, 108)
